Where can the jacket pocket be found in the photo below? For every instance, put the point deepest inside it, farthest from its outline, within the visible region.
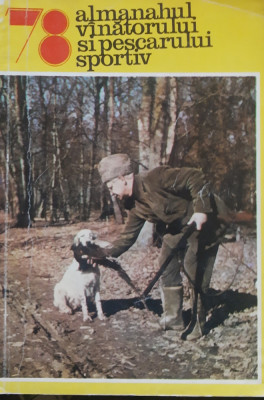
(178, 207)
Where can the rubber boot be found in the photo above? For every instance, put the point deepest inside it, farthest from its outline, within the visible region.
(195, 328)
(171, 298)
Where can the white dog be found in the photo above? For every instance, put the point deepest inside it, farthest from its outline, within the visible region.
(81, 280)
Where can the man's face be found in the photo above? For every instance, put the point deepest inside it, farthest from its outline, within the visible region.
(117, 187)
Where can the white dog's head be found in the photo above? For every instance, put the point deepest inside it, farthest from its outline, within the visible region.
(81, 241)
(87, 246)
(84, 237)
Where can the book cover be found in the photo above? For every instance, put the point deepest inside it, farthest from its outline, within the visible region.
(168, 83)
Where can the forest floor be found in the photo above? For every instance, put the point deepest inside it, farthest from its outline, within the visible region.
(39, 342)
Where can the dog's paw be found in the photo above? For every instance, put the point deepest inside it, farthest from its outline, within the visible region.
(87, 318)
(102, 317)
(65, 310)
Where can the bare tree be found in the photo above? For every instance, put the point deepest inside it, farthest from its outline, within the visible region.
(157, 120)
(144, 121)
(23, 163)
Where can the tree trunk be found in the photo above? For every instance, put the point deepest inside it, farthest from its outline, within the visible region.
(111, 112)
(144, 122)
(23, 167)
(52, 209)
(160, 123)
(171, 132)
(156, 127)
(99, 82)
(157, 121)
(109, 117)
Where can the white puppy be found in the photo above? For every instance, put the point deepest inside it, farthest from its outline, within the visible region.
(81, 280)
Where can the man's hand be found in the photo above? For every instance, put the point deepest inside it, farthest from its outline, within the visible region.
(199, 219)
(92, 262)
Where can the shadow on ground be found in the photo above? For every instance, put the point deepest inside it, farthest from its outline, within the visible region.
(223, 304)
(220, 305)
(112, 307)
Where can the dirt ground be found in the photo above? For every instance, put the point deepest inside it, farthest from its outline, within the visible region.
(39, 342)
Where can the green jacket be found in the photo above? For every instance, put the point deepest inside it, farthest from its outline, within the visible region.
(163, 194)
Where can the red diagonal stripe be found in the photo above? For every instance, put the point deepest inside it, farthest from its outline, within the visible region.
(23, 17)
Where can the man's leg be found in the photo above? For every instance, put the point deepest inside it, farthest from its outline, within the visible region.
(207, 263)
(171, 286)
(199, 287)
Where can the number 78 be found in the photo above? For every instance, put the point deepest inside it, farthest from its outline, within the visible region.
(54, 49)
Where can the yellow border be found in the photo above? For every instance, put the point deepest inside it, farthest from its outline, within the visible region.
(135, 388)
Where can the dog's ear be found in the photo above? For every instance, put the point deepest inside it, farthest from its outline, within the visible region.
(77, 252)
(76, 241)
(94, 235)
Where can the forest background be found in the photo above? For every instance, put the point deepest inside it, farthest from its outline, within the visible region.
(55, 129)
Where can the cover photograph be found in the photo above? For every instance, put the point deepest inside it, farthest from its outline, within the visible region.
(130, 197)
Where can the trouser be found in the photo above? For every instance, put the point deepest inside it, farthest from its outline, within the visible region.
(197, 258)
